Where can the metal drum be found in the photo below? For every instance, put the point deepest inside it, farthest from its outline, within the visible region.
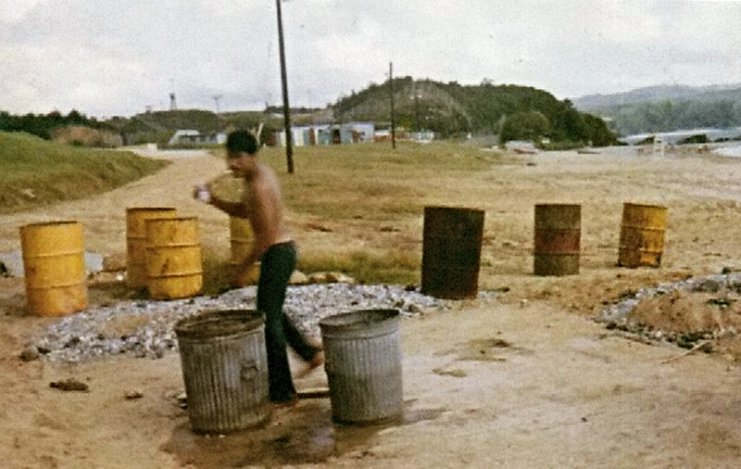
(557, 239)
(452, 252)
(174, 263)
(240, 239)
(642, 235)
(54, 268)
(136, 242)
(363, 364)
(225, 369)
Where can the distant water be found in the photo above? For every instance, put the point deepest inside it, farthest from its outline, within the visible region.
(678, 135)
(729, 151)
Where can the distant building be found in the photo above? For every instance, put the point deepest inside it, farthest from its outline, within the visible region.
(328, 134)
(195, 137)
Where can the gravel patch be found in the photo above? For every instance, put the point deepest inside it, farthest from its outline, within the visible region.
(619, 315)
(146, 328)
(619, 312)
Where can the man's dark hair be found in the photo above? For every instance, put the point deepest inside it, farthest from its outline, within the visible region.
(241, 141)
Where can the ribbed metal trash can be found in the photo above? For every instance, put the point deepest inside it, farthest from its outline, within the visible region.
(225, 369)
(363, 364)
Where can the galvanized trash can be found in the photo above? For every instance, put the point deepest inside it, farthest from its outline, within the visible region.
(363, 364)
(225, 369)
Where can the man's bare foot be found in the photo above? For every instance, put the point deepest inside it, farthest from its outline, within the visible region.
(311, 365)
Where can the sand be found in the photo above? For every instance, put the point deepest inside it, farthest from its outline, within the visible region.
(528, 379)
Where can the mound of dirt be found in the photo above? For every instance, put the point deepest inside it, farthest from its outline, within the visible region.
(688, 313)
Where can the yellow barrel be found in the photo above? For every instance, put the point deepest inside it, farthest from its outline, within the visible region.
(557, 239)
(174, 263)
(240, 236)
(642, 235)
(136, 241)
(54, 265)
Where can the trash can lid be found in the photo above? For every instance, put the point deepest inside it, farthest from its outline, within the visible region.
(368, 319)
(219, 323)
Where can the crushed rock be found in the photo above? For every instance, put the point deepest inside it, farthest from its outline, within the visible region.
(144, 328)
(619, 315)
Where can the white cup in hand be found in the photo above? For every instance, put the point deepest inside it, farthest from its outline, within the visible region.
(202, 194)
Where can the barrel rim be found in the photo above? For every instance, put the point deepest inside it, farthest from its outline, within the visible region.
(43, 224)
(557, 204)
(644, 205)
(453, 208)
(149, 209)
(219, 324)
(170, 219)
(359, 320)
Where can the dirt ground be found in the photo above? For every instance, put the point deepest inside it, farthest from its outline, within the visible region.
(527, 379)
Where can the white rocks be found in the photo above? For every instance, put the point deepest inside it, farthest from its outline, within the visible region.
(90, 333)
(619, 312)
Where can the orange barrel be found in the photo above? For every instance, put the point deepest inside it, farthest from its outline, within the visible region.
(557, 239)
(54, 266)
(642, 235)
(174, 263)
(240, 238)
(451, 252)
(136, 241)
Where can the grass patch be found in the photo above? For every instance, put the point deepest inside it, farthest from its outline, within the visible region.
(371, 181)
(38, 172)
(397, 267)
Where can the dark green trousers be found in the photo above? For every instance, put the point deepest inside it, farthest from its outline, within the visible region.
(277, 265)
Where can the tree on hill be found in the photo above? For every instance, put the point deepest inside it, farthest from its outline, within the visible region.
(525, 125)
(44, 125)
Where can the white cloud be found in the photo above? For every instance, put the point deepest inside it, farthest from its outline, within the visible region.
(13, 11)
(106, 56)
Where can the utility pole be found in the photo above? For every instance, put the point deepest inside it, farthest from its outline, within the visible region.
(284, 81)
(216, 100)
(393, 117)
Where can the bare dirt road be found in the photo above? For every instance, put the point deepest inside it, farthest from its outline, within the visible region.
(527, 379)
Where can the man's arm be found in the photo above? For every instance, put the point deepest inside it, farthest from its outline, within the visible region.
(235, 209)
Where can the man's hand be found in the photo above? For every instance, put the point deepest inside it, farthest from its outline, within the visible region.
(202, 194)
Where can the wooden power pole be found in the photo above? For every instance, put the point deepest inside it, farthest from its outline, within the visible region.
(284, 82)
(393, 117)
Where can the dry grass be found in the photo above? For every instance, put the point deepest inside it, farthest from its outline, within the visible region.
(358, 209)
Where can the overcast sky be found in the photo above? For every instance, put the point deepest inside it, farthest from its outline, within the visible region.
(116, 57)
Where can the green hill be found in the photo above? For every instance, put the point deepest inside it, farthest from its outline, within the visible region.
(451, 109)
(667, 108)
(38, 172)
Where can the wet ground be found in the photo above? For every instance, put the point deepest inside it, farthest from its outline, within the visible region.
(305, 434)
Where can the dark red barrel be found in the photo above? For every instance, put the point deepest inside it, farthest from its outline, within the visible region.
(557, 239)
(452, 252)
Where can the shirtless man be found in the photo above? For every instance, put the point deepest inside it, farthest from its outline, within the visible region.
(274, 248)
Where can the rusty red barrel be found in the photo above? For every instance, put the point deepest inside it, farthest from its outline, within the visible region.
(557, 239)
(451, 252)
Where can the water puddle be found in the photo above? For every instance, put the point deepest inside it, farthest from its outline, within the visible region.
(302, 435)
